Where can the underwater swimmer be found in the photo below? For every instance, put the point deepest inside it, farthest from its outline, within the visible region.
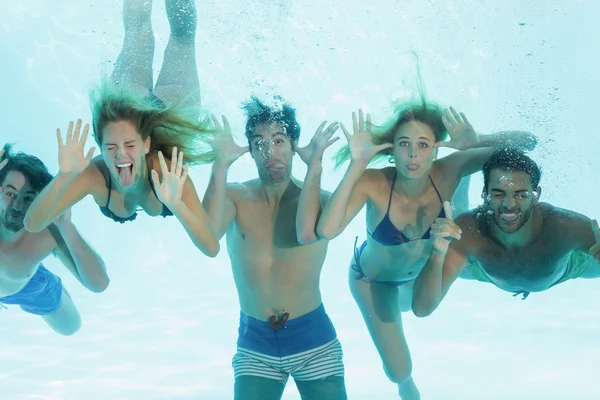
(511, 241)
(148, 136)
(284, 329)
(401, 201)
(23, 279)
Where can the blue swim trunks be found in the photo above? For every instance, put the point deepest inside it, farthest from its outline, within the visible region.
(306, 348)
(41, 296)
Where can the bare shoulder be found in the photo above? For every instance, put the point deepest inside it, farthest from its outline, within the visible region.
(470, 223)
(571, 228)
(377, 178)
(562, 218)
(378, 174)
(239, 191)
(94, 176)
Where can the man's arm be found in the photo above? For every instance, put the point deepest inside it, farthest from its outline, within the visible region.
(521, 140)
(476, 148)
(438, 275)
(78, 256)
(311, 204)
(217, 200)
(582, 230)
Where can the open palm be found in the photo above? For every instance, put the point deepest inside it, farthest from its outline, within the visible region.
(321, 140)
(361, 142)
(227, 151)
(461, 132)
(169, 189)
(70, 153)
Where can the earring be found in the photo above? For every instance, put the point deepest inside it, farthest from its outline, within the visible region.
(391, 160)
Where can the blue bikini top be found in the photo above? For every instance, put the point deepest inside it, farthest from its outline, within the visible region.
(106, 211)
(386, 232)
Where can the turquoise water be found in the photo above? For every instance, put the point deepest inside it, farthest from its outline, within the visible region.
(166, 328)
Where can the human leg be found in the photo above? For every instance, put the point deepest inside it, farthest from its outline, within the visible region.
(380, 308)
(133, 67)
(178, 80)
(66, 320)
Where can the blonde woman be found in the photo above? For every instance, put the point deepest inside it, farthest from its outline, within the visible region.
(402, 202)
(145, 134)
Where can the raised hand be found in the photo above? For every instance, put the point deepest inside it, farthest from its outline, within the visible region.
(462, 135)
(225, 148)
(70, 153)
(443, 230)
(322, 139)
(362, 147)
(595, 249)
(170, 189)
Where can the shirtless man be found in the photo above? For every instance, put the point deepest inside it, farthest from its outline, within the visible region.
(512, 241)
(23, 279)
(284, 329)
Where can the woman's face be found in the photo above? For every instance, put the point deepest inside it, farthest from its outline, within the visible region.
(414, 150)
(124, 152)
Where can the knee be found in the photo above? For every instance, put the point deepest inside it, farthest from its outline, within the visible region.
(100, 286)
(71, 328)
(398, 373)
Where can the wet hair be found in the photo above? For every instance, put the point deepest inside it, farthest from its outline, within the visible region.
(167, 125)
(510, 160)
(30, 166)
(257, 113)
(417, 109)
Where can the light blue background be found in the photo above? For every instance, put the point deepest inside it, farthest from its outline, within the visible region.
(166, 328)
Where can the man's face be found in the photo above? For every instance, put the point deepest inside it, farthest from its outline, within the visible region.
(272, 151)
(510, 199)
(16, 197)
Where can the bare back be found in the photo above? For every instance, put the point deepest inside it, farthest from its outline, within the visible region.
(530, 268)
(272, 271)
(20, 260)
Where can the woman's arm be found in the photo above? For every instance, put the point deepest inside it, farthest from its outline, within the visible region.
(176, 191)
(75, 180)
(194, 219)
(345, 202)
(351, 194)
(61, 193)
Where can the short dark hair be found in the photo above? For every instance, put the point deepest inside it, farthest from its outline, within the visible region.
(257, 112)
(32, 167)
(510, 159)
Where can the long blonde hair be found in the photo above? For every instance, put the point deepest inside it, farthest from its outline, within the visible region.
(167, 125)
(416, 109)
